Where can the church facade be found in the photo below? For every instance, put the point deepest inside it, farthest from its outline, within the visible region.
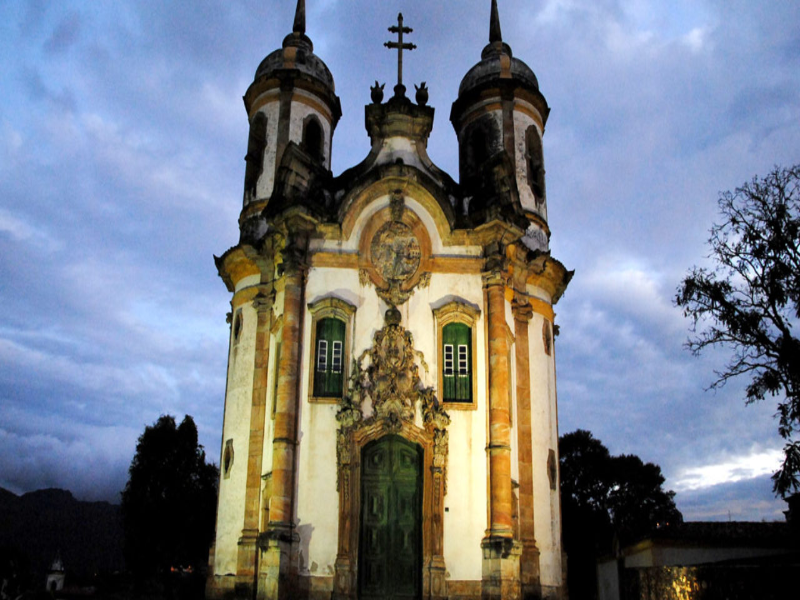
(390, 425)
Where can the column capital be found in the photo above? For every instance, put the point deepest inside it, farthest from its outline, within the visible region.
(522, 310)
(294, 257)
(263, 301)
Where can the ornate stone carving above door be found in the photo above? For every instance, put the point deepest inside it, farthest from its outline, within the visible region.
(388, 389)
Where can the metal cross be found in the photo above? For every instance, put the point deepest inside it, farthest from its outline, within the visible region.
(399, 45)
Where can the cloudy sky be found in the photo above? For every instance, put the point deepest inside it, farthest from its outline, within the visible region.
(122, 132)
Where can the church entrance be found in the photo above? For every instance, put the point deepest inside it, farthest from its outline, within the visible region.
(390, 540)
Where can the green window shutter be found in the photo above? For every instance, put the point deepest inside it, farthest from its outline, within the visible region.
(329, 358)
(457, 363)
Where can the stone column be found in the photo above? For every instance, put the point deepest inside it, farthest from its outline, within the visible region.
(529, 561)
(248, 543)
(278, 559)
(500, 552)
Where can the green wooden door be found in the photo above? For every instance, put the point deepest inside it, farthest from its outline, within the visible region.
(390, 548)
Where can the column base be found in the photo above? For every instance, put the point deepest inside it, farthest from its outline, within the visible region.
(344, 584)
(277, 569)
(529, 574)
(246, 564)
(500, 579)
(435, 584)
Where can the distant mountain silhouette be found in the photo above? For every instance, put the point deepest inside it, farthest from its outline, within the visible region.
(39, 525)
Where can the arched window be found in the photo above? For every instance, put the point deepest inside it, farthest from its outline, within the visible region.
(535, 160)
(456, 363)
(330, 347)
(329, 358)
(312, 138)
(256, 146)
(481, 141)
(456, 326)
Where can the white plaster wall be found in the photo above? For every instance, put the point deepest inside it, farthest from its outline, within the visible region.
(546, 515)
(267, 179)
(230, 518)
(246, 282)
(402, 148)
(465, 502)
(521, 123)
(317, 497)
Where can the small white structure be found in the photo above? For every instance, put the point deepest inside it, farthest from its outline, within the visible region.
(55, 576)
(390, 424)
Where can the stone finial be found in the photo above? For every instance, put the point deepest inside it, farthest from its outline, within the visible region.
(422, 94)
(376, 92)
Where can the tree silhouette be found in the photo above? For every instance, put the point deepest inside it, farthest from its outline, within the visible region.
(606, 501)
(750, 301)
(169, 502)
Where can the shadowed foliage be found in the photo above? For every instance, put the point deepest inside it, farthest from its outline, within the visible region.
(750, 300)
(169, 502)
(606, 501)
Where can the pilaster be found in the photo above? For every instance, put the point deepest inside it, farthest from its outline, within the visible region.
(500, 576)
(529, 559)
(278, 568)
(246, 562)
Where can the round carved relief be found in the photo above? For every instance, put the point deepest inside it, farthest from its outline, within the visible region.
(395, 252)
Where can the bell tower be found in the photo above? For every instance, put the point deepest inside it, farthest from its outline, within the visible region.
(293, 111)
(499, 118)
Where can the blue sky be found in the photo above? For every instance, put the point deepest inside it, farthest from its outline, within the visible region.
(122, 136)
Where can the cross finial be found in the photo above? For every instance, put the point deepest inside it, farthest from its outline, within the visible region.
(399, 46)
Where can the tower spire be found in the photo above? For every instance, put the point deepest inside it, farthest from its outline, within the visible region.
(300, 18)
(495, 35)
(298, 37)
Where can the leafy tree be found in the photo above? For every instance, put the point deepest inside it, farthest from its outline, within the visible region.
(750, 300)
(169, 502)
(606, 500)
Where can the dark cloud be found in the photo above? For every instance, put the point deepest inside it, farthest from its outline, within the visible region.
(122, 133)
(64, 35)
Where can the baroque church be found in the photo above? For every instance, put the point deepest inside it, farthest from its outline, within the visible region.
(390, 425)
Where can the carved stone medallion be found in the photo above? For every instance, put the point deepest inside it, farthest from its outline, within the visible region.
(395, 252)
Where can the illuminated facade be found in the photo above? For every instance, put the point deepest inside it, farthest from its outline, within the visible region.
(390, 424)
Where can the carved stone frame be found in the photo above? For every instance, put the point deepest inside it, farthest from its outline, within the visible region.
(395, 292)
(457, 311)
(352, 441)
(321, 309)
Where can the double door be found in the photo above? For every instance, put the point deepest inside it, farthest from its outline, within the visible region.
(390, 540)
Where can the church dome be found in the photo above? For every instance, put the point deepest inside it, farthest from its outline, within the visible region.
(297, 54)
(497, 62)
